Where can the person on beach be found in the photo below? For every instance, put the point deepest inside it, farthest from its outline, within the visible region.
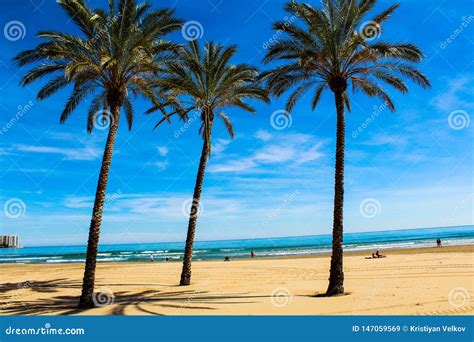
(226, 258)
(438, 242)
(252, 254)
(378, 255)
(152, 258)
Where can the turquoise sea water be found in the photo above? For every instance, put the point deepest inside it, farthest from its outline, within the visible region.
(217, 250)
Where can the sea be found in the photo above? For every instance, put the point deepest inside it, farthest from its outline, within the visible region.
(235, 249)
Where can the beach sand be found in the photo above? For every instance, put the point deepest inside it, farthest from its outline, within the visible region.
(429, 281)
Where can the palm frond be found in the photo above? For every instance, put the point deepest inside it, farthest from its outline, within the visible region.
(227, 123)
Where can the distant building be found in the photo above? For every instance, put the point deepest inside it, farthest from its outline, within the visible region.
(8, 241)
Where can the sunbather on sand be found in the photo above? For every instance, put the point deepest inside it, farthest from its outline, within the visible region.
(376, 255)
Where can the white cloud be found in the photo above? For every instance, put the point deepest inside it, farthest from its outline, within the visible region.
(274, 154)
(310, 154)
(82, 153)
(233, 166)
(4, 151)
(294, 149)
(452, 97)
(161, 165)
(263, 135)
(386, 139)
(78, 202)
(220, 146)
(162, 150)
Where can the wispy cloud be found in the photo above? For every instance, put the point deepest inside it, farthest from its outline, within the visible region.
(386, 139)
(294, 149)
(454, 96)
(161, 165)
(78, 202)
(82, 153)
(263, 135)
(220, 146)
(162, 150)
(234, 166)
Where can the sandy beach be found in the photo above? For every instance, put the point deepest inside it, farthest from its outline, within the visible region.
(429, 281)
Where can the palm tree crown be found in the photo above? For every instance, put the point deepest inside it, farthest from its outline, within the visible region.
(333, 48)
(114, 58)
(204, 81)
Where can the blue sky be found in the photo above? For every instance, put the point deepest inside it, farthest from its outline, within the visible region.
(413, 168)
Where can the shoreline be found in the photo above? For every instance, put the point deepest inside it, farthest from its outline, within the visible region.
(393, 251)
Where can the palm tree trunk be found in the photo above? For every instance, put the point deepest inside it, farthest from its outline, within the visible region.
(336, 274)
(188, 251)
(86, 300)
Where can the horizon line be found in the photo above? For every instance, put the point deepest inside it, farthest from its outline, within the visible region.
(260, 238)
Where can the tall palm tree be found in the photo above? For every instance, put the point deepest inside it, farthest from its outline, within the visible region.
(334, 47)
(113, 61)
(206, 82)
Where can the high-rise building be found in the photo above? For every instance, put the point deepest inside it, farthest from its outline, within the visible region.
(8, 241)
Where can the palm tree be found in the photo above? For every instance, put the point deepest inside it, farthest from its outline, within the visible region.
(206, 82)
(113, 60)
(332, 48)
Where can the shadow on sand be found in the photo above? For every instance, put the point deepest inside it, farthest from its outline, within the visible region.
(14, 299)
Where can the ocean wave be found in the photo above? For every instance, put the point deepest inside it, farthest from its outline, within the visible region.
(65, 261)
(241, 248)
(111, 259)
